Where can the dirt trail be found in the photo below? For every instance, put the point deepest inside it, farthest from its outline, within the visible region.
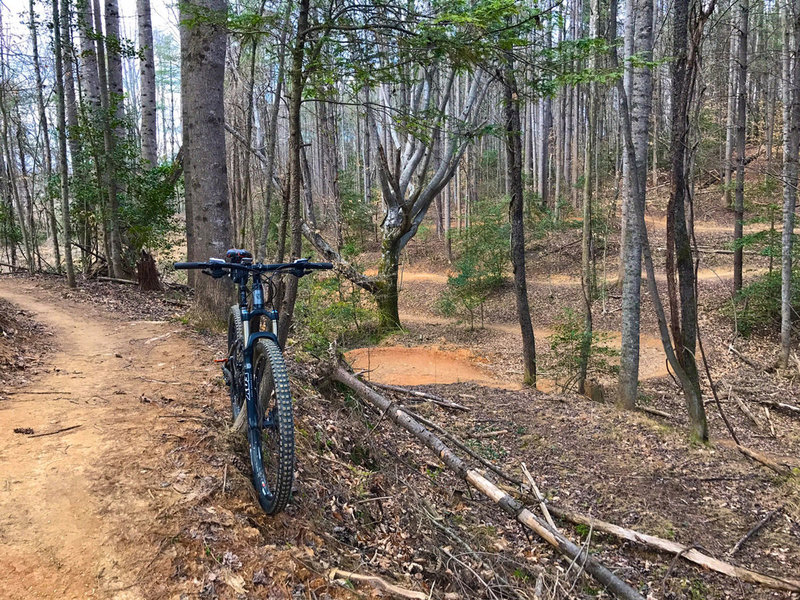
(74, 512)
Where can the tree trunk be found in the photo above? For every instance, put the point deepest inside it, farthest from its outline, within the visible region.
(741, 138)
(147, 81)
(205, 174)
(684, 332)
(62, 145)
(730, 120)
(626, 230)
(514, 154)
(587, 279)
(297, 77)
(791, 143)
(641, 98)
(272, 143)
(48, 160)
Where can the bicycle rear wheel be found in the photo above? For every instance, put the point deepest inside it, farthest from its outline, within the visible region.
(234, 366)
(272, 441)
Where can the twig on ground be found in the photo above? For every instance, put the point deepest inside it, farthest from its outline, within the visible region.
(378, 583)
(63, 429)
(489, 434)
(754, 531)
(769, 421)
(743, 407)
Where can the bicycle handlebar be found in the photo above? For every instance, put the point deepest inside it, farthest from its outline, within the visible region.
(298, 265)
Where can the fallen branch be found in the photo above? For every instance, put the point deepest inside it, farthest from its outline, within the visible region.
(116, 280)
(686, 552)
(754, 531)
(764, 460)
(340, 265)
(489, 434)
(746, 360)
(564, 546)
(769, 422)
(63, 429)
(379, 583)
(461, 445)
(743, 407)
(438, 400)
(539, 497)
(654, 411)
(783, 405)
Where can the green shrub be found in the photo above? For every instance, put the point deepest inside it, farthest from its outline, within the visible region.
(483, 254)
(758, 304)
(564, 359)
(329, 309)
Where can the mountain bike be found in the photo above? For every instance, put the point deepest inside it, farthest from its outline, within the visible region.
(255, 371)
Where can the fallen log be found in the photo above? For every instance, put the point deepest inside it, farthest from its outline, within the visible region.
(687, 552)
(438, 400)
(504, 499)
(564, 546)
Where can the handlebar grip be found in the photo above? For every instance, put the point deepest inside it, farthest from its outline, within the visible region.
(319, 266)
(190, 265)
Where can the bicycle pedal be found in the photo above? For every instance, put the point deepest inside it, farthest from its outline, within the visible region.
(220, 360)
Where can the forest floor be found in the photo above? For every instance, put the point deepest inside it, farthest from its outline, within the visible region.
(148, 497)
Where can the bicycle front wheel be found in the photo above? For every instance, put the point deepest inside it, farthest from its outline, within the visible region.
(234, 366)
(272, 440)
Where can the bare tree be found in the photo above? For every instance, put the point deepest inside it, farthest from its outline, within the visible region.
(641, 98)
(791, 143)
(515, 213)
(62, 145)
(147, 81)
(741, 139)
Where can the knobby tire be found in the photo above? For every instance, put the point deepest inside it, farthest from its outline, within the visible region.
(272, 441)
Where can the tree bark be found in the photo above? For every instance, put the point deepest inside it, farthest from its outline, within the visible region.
(48, 159)
(298, 79)
(272, 143)
(587, 280)
(791, 145)
(684, 318)
(62, 145)
(147, 81)
(514, 161)
(741, 139)
(641, 98)
(205, 174)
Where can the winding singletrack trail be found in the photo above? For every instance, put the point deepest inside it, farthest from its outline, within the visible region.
(78, 508)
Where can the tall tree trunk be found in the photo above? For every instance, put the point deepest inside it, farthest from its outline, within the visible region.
(628, 51)
(641, 98)
(684, 332)
(109, 100)
(147, 81)
(208, 228)
(62, 145)
(514, 154)
(297, 77)
(791, 142)
(741, 138)
(587, 279)
(272, 143)
(48, 159)
(730, 119)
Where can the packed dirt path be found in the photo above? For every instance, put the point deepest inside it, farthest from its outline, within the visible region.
(74, 512)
